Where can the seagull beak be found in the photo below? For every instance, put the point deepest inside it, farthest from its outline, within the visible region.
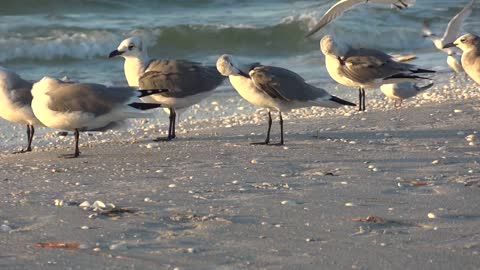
(449, 45)
(115, 53)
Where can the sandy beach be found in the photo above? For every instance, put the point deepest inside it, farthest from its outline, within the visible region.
(385, 189)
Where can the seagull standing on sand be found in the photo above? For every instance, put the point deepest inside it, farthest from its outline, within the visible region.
(451, 33)
(274, 88)
(364, 68)
(15, 103)
(470, 45)
(188, 82)
(401, 91)
(85, 106)
(341, 6)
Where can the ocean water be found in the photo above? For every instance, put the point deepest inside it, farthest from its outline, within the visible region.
(73, 38)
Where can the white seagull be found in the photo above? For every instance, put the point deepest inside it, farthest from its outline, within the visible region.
(365, 68)
(401, 91)
(85, 106)
(451, 33)
(274, 88)
(470, 45)
(15, 103)
(341, 6)
(188, 82)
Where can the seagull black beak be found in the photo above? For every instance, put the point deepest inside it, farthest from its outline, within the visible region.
(115, 53)
(449, 45)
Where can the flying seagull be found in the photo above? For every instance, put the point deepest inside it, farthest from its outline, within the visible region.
(341, 6)
(451, 33)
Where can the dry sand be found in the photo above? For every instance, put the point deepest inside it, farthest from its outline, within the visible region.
(209, 200)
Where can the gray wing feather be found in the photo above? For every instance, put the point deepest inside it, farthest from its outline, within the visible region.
(91, 98)
(183, 78)
(364, 65)
(284, 84)
(20, 92)
(18, 89)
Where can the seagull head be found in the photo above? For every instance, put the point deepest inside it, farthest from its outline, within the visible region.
(329, 46)
(466, 42)
(130, 47)
(44, 85)
(227, 66)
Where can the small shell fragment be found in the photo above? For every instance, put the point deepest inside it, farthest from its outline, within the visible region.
(84, 204)
(98, 204)
(58, 202)
(431, 215)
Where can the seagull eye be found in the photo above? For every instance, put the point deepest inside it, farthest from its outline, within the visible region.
(130, 47)
(463, 40)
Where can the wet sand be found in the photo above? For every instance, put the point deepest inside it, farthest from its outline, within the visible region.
(209, 200)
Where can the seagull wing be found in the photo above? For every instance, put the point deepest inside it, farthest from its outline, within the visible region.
(399, 4)
(334, 12)
(341, 6)
(455, 24)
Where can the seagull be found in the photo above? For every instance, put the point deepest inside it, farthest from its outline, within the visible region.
(274, 88)
(401, 91)
(341, 6)
(15, 101)
(188, 82)
(86, 106)
(470, 45)
(364, 68)
(451, 33)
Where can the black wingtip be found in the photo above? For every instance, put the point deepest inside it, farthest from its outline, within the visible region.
(421, 70)
(341, 101)
(405, 76)
(144, 106)
(149, 92)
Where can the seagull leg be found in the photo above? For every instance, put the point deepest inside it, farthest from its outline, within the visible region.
(364, 99)
(359, 99)
(30, 138)
(171, 128)
(29, 143)
(77, 150)
(281, 128)
(174, 121)
(267, 140)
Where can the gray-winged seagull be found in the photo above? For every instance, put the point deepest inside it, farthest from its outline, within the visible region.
(470, 45)
(274, 88)
(15, 103)
(401, 91)
(85, 106)
(188, 82)
(364, 68)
